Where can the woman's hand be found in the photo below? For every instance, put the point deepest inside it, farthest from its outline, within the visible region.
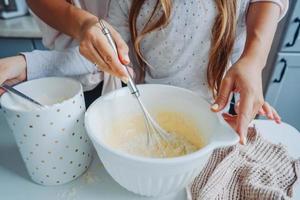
(244, 78)
(94, 46)
(83, 26)
(12, 70)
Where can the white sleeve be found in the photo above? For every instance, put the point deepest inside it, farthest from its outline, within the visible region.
(283, 4)
(57, 63)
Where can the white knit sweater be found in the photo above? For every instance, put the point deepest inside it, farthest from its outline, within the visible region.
(258, 170)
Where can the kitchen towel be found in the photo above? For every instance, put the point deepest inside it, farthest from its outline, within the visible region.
(257, 170)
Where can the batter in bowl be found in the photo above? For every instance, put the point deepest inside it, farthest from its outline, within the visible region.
(129, 135)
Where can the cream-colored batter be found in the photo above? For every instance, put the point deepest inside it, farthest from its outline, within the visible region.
(130, 135)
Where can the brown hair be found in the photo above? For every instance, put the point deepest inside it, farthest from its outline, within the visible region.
(222, 41)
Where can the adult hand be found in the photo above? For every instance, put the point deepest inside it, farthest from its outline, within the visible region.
(95, 47)
(245, 78)
(12, 70)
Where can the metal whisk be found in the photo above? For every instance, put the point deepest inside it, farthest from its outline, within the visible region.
(154, 131)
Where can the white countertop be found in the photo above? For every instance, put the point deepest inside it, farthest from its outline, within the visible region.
(96, 184)
(20, 27)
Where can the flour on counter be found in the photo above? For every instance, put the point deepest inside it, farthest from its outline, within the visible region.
(90, 178)
(70, 194)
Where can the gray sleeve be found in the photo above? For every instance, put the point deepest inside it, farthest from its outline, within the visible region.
(57, 63)
(118, 14)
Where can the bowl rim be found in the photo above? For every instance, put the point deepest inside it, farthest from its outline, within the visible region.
(50, 107)
(179, 159)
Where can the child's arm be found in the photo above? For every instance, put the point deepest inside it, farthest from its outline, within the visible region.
(38, 64)
(261, 24)
(57, 63)
(245, 75)
(283, 4)
(12, 75)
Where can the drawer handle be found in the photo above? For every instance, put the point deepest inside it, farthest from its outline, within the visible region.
(278, 80)
(290, 44)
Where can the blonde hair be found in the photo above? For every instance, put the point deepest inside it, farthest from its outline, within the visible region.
(222, 40)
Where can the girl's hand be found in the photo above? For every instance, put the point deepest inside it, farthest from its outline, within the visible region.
(266, 110)
(245, 78)
(12, 70)
(245, 75)
(94, 46)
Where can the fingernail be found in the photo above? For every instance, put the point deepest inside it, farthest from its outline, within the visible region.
(124, 79)
(215, 106)
(270, 116)
(126, 59)
(244, 140)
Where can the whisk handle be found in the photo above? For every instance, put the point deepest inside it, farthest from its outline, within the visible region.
(132, 86)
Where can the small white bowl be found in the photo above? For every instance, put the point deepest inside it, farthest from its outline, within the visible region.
(155, 176)
(52, 141)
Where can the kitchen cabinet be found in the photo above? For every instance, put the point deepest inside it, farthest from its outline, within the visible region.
(38, 44)
(291, 41)
(284, 88)
(20, 34)
(13, 46)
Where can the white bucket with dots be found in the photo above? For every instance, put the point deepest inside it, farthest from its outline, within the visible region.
(52, 140)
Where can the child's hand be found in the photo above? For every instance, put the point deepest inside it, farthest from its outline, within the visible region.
(266, 110)
(246, 79)
(12, 70)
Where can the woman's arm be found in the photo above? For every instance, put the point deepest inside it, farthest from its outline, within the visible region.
(82, 25)
(245, 76)
(61, 15)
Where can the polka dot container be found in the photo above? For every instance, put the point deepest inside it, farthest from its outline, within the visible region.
(52, 141)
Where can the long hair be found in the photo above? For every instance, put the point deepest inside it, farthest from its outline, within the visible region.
(222, 36)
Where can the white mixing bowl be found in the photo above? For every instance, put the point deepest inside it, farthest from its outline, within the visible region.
(155, 176)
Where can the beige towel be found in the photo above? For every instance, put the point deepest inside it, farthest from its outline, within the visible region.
(258, 170)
